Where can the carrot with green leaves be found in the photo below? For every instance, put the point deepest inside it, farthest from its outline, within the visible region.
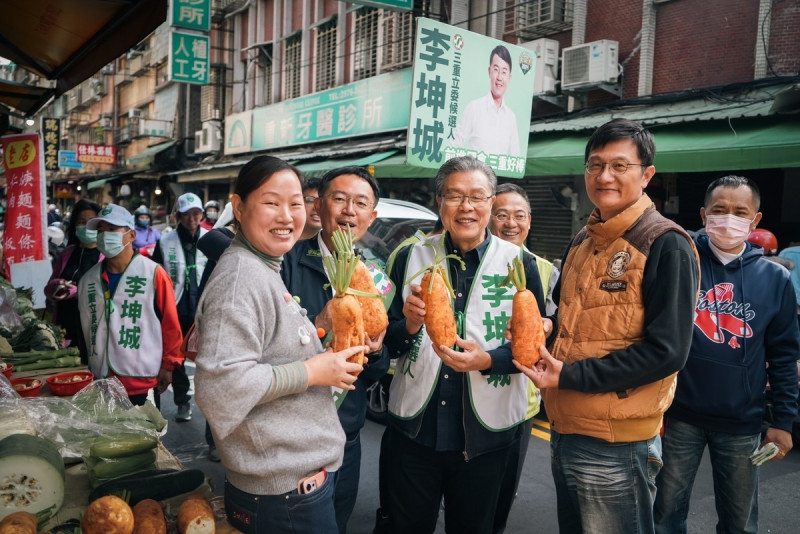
(347, 317)
(525, 325)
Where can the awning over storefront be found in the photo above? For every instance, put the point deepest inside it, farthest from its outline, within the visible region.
(69, 40)
(98, 183)
(144, 159)
(321, 167)
(685, 147)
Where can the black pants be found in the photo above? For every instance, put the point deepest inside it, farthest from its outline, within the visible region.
(417, 477)
(508, 490)
(180, 380)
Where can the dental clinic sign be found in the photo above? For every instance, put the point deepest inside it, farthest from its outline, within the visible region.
(189, 44)
(377, 104)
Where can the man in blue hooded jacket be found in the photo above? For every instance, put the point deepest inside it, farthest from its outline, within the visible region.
(745, 332)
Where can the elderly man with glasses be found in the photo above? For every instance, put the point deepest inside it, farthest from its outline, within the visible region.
(620, 335)
(454, 412)
(346, 199)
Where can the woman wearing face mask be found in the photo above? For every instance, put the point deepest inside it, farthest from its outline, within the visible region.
(80, 255)
(146, 235)
(130, 318)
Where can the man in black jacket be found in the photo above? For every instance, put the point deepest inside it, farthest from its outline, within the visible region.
(347, 198)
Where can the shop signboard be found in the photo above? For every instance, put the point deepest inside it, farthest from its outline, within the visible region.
(190, 14)
(375, 105)
(188, 58)
(393, 5)
(51, 134)
(24, 234)
(472, 95)
(88, 153)
(68, 159)
(238, 132)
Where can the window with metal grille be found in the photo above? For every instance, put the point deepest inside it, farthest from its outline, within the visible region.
(398, 29)
(264, 62)
(292, 67)
(365, 43)
(325, 56)
(532, 19)
(211, 95)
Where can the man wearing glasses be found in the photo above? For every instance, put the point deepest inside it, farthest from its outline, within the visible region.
(621, 333)
(454, 412)
(347, 198)
(310, 195)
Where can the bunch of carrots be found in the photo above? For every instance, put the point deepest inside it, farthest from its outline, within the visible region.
(357, 307)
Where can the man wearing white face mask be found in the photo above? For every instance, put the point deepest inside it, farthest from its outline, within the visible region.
(131, 321)
(744, 320)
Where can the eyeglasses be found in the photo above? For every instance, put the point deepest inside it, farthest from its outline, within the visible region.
(309, 199)
(338, 199)
(505, 217)
(617, 168)
(454, 199)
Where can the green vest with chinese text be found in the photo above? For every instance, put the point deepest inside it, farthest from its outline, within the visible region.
(498, 401)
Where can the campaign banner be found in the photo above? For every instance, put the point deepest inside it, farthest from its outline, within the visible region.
(51, 132)
(96, 153)
(472, 95)
(24, 235)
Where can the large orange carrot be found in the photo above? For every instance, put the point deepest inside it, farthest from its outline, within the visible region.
(527, 331)
(440, 322)
(375, 318)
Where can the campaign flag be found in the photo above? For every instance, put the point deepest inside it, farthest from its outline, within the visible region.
(24, 238)
(471, 95)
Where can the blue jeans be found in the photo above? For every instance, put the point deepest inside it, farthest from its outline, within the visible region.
(602, 487)
(735, 478)
(290, 513)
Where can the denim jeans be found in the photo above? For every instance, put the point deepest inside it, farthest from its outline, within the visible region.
(290, 513)
(735, 478)
(602, 487)
(345, 487)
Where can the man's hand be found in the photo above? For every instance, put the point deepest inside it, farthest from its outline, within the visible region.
(781, 438)
(471, 358)
(164, 380)
(414, 310)
(323, 319)
(546, 373)
(376, 344)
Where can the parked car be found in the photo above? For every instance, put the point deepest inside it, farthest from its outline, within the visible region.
(396, 221)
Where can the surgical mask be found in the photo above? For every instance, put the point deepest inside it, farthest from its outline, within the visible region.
(727, 232)
(110, 243)
(86, 236)
(211, 215)
(143, 223)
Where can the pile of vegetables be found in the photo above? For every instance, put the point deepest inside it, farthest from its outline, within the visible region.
(111, 457)
(112, 515)
(525, 325)
(43, 359)
(347, 317)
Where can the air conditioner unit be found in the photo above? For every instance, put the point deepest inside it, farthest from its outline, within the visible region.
(590, 64)
(98, 87)
(108, 69)
(134, 113)
(545, 70)
(209, 139)
(105, 123)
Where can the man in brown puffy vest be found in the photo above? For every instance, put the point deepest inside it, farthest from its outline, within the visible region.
(621, 333)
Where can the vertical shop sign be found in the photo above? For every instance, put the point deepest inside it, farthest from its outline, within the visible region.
(188, 58)
(191, 14)
(470, 97)
(23, 238)
(51, 132)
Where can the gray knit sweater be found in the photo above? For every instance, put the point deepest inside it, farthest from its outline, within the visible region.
(271, 429)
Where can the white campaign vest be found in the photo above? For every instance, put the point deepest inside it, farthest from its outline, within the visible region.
(498, 401)
(175, 261)
(127, 339)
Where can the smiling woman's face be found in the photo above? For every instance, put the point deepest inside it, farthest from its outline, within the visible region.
(273, 216)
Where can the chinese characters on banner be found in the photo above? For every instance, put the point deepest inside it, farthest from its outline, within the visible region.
(51, 131)
(471, 95)
(96, 153)
(23, 240)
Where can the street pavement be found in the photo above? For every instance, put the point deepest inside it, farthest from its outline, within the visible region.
(535, 507)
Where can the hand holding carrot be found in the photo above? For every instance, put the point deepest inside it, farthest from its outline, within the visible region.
(374, 344)
(332, 368)
(546, 373)
(471, 358)
(323, 319)
(414, 310)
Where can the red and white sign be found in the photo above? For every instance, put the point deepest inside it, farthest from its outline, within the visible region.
(96, 153)
(24, 238)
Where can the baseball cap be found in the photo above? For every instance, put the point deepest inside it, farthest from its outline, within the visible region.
(188, 201)
(112, 214)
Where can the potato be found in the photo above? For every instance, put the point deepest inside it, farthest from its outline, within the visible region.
(108, 515)
(148, 518)
(195, 516)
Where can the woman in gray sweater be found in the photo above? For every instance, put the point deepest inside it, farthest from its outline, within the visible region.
(262, 378)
